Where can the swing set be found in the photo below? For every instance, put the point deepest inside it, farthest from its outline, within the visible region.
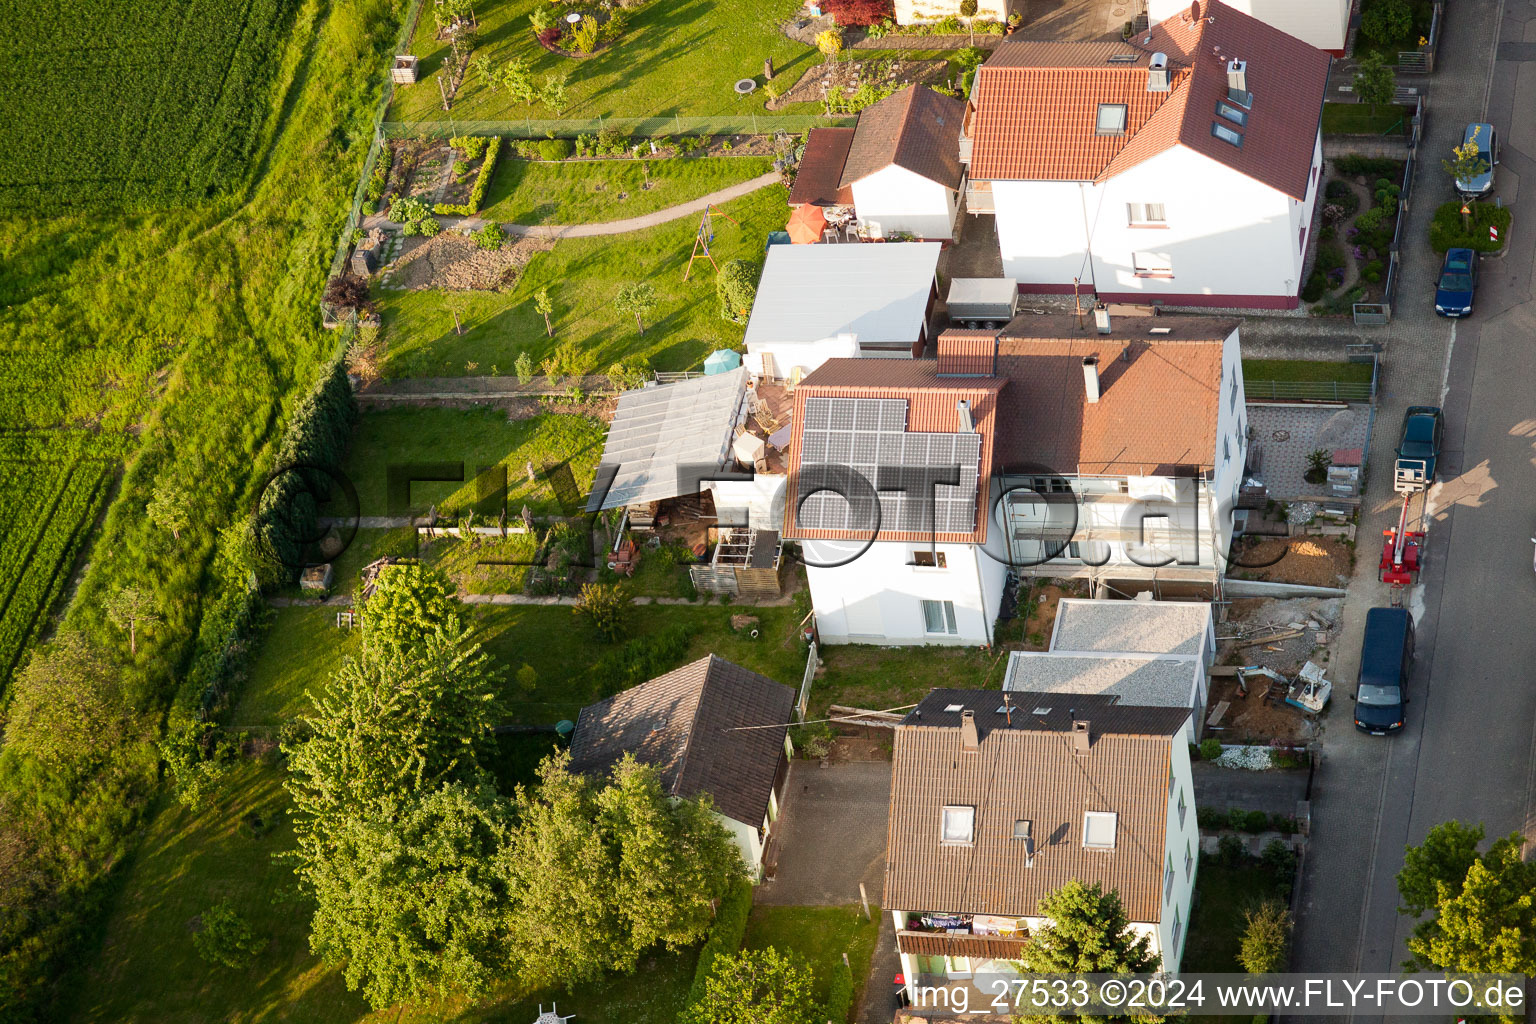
(704, 236)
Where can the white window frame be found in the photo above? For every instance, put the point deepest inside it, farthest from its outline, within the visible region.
(946, 612)
(1168, 880)
(1140, 215)
(939, 560)
(962, 812)
(1090, 817)
(1152, 264)
(1183, 809)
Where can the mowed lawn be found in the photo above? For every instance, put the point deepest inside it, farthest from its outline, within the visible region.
(676, 57)
(591, 191)
(419, 442)
(583, 276)
(821, 935)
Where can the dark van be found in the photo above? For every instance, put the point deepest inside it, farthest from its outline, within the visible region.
(1385, 660)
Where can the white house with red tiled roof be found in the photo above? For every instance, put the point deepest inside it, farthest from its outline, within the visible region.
(1046, 449)
(1180, 167)
(1320, 23)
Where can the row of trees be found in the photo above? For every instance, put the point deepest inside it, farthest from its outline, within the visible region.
(425, 877)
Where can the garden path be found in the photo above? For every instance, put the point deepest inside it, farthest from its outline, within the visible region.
(611, 227)
(1351, 265)
(429, 389)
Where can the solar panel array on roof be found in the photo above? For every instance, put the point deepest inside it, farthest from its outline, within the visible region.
(869, 436)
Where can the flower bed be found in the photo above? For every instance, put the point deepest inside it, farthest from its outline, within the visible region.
(1361, 207)
(592, 33)
(1446, 231)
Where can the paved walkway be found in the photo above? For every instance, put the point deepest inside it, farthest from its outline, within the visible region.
(1225, 788)
(553, 232)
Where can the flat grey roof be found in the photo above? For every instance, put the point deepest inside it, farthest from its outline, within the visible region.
(1131, 627)
(813, 292)
(657, 429)
(1144, 681)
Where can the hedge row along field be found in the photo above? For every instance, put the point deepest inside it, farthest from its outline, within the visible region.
(132, 101)
(50, 508)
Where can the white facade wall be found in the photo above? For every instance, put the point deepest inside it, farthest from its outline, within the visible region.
(895, 199)
(1182, 840)
(1223, 234)
(878, 597)
(1322, 23)
(747, 842)
(909, 12)
(1231, 452)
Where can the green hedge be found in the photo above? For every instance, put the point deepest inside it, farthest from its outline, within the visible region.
(840, 995)
(725, 935)
(1445, 230)
(1370, 166)
(482, 180)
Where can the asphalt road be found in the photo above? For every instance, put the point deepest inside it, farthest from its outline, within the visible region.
(1469, 752)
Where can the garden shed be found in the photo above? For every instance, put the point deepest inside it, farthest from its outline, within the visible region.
(820, 302)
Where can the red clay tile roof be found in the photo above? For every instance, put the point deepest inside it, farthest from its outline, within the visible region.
(1036, 102)
(1027, 770)
(1158, 404)
(931, 408)
(821, 168)
(917, 129)
(685, 723)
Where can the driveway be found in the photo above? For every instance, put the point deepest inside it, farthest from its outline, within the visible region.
(1225, 788)
(831, 835)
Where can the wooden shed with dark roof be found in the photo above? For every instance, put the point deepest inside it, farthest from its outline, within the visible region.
(710, 727)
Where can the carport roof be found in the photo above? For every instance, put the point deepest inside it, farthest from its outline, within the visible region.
(813, 292)
(657, 430)
(1131, 627)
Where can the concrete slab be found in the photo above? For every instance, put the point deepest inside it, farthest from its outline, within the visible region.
(1288, 433)
(831, 835)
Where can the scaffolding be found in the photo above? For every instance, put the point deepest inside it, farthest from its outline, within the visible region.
(745, 564)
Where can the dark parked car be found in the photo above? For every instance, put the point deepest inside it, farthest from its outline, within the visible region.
(1423, 429)
(1458, 283)
(1386, 657)
(1487, 142)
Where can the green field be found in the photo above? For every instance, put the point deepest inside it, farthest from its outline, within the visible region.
(1306, 371)
(590, 191)
(1365, 119)
(583, 275)
(135, 100)
(676, 57)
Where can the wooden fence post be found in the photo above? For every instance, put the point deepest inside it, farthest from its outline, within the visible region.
(864, 899)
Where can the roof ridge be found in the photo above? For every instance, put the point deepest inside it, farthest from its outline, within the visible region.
(693, 721)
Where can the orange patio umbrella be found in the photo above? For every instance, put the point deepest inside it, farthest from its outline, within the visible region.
(807, 224)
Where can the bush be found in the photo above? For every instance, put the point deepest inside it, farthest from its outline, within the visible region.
(607, 606)
(492, 236)
(1210, 749)
(1210, 817)
(1386, 21)
(554, 150)
(1279, 858)
(225, 938)
(482, 180)
(725, 934)
(1373, 271)
(1315, 288)
(631, 372)
(472, 146)
(1445, 230)
(1370, 220)
(1256, 822)
(1330, 256)
(1266, 938)
(849, 13)
(1229, 850)
(736, 288)
(840, 993)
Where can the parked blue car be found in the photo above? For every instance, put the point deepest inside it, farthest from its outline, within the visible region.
(1458, 283)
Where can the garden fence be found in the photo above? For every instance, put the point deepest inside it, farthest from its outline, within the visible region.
(804, 700)
(655, 126)
(1307, 391)
(1422, 60)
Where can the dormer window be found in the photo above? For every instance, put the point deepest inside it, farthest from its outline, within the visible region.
(1226, 134)
(958, 826)
(1111, 119)
(1099, 830)
(1232, 113)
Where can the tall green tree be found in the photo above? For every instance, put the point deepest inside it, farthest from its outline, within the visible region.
(757, 986)
(130, 609)
(1266, 938)
(409, 603)
(1375, 81)
(389, 727)
(602, 873)
(1088, 933)
(1483, 905)
(1386, 21)
(170, 507)
(637, 299)
(415, 906)
(68, 712)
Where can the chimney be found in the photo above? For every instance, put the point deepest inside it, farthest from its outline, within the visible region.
(1082, 738)
(1157, 73)
(970, 743)
(1091, 378)
(963, 407)
(1101, 318)
(1237, 76)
